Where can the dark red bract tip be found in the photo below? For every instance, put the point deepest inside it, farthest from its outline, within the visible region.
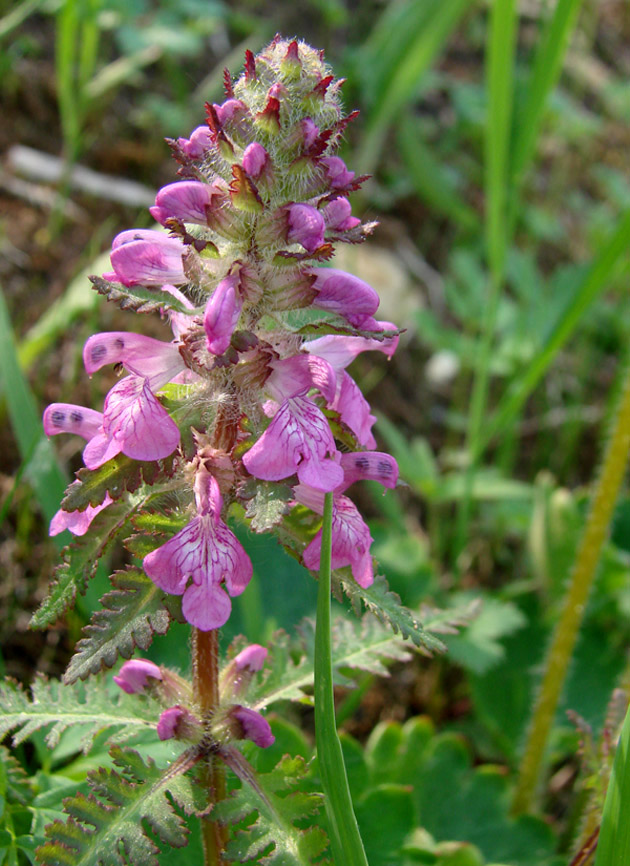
(250, 66)
(292, 51)
(227, 84)
(321, 88)
(271, 111)
(212, 119)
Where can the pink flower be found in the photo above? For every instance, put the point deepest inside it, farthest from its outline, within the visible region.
(338, 215)
(351, 542)
(200, 560)
(222, 314)
(78, 522)
(296, 375)
(134, 423)
(305, 226)
(252, 658)
(199, 143)
(135, 675)
(148, 257)
(230, 110)
(155, 360)
(248, 724)
(345, 295)
(255, 159)
(337, 174)
(68, 418)
(297, 440)
(179, 723)
(187, 200)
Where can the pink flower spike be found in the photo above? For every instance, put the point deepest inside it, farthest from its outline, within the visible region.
(186, 200)
(297, 440)
(134, 675)
(78, 522)
(68, 418)
(134, 422)
(305, 226)
(151, 262)
(336, 172)
(252, 658)
(153, 359)
(369, 465)
(252, 726)
(222, 313)
(345, 295)
(351, 542)
(298, 374)
(255, 159)
(338, 215)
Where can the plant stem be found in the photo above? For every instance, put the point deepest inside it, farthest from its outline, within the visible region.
(582, 577)
(205, 650)
(345, 837)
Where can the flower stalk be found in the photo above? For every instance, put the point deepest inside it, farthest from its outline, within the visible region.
(582, 577)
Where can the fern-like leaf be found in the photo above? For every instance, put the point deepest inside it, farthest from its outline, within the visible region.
(118, 822)
(388, 608)
(270, 836)
(15, 785)
(366, 645)
(131, 614)
(119, 475)
(56, 707)
(137, 298)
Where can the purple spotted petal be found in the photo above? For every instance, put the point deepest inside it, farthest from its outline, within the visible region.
(297, 440)
(78, 522)
(305, 226)
(222, 314)
(155, 360)
(369, 465)
(351, 542)
(345, 295)
(68, 418)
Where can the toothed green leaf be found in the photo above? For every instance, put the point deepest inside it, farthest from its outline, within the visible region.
(56, 707)
(127, 810)
(272, 838)
(137, 298)
(118, 475)
(366, 645)
(131, 614)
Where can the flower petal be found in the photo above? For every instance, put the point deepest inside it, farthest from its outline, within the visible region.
(68, 418)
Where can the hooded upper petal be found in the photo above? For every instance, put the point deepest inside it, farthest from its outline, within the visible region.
(148, 257)
(155, 360)
(351, 542)
(345, 295)
(222, 314)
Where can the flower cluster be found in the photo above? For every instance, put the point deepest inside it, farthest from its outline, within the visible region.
(262, 334)
(230, 720)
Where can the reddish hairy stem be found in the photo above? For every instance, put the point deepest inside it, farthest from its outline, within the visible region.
(205, 651)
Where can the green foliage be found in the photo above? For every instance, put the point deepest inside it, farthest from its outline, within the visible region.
(268, 504)
(137, 299)
(16, 797)
(267, 813)
(119, 475)
(366, 645)
(127, 809)
(613, 848)
(131, 614)
(56, 707)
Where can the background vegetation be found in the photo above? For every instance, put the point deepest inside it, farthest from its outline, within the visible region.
(497, 137)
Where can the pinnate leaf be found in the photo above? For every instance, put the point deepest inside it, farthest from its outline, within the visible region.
(140, 299)
(56, 707)
(274, 824)
(131, 614)
(119, 475)
(116, 824)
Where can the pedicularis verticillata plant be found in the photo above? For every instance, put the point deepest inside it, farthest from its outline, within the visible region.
(248, 414)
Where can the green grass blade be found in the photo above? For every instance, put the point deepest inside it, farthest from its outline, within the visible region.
(543, 78)
(16, 16)
(345, 837)
(613, 848)
(42, 470)
(429, 178)
(411, 65)
(500, 84)
(593, 283)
